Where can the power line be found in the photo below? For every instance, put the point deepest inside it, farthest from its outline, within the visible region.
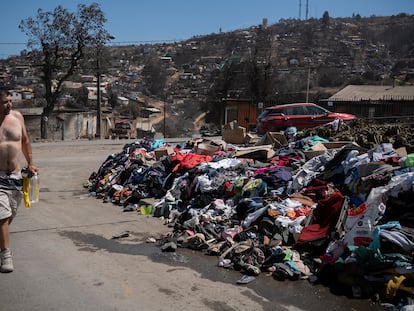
(112, 42)
(12, 43)
(117, 43)
(145, 41)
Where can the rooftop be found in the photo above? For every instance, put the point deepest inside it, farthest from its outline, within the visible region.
(374, 92)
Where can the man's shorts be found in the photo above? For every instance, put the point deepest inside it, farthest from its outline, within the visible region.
(10, 194)
(9, 202)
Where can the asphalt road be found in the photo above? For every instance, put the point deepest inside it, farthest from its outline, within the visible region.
(65, 257)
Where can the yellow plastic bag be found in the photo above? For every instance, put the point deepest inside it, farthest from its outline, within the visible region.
(26, 192)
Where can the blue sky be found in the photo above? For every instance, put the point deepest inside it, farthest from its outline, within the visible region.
(139, 21)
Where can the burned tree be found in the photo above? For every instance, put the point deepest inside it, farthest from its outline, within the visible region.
(61, 38)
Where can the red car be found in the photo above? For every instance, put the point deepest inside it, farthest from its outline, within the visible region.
(299, 115)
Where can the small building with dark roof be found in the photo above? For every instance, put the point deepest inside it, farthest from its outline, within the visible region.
(373, 101)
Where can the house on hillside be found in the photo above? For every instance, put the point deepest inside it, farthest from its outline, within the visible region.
(3, 77)
(145, 128)
(166, 59)
(64, 125)
(93, 94)
(16, 95)
(123, 101)
(370, 101)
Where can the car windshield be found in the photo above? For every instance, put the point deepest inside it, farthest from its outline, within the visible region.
(122, 126)
(271, 112)
(264, 113)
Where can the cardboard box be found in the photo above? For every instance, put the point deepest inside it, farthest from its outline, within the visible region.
(209, 147)
(320, 148)
(277, 139)
(163, 151)
(315, 150)
(206, 149)
(337, 144)
(263, 152)
(233, 133)
(251, 139)
(402, 151)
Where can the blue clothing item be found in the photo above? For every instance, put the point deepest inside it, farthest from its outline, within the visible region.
(375, 244)
(355, 200)
(292, 265)
(404, 171)
(255, 202)
(158, 143)
(310, 141)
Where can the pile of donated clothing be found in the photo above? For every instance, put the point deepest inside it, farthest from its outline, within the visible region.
(343, 218)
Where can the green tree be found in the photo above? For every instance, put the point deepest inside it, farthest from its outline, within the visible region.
(61, 37)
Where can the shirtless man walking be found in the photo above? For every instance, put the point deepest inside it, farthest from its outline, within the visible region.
(13, 141)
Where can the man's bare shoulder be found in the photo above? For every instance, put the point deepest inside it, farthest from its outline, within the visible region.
(16, 114)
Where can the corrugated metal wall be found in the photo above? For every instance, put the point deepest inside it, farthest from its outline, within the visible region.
(371, 109)
(243, 111)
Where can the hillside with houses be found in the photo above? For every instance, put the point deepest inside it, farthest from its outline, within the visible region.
(290, 61)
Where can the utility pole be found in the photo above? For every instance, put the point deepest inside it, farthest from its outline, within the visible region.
(165, 112)
(99, 47)
(307, 9)
(98, 95)
(308, 83)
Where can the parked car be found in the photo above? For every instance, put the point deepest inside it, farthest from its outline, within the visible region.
(298, 115)
(123, 129)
